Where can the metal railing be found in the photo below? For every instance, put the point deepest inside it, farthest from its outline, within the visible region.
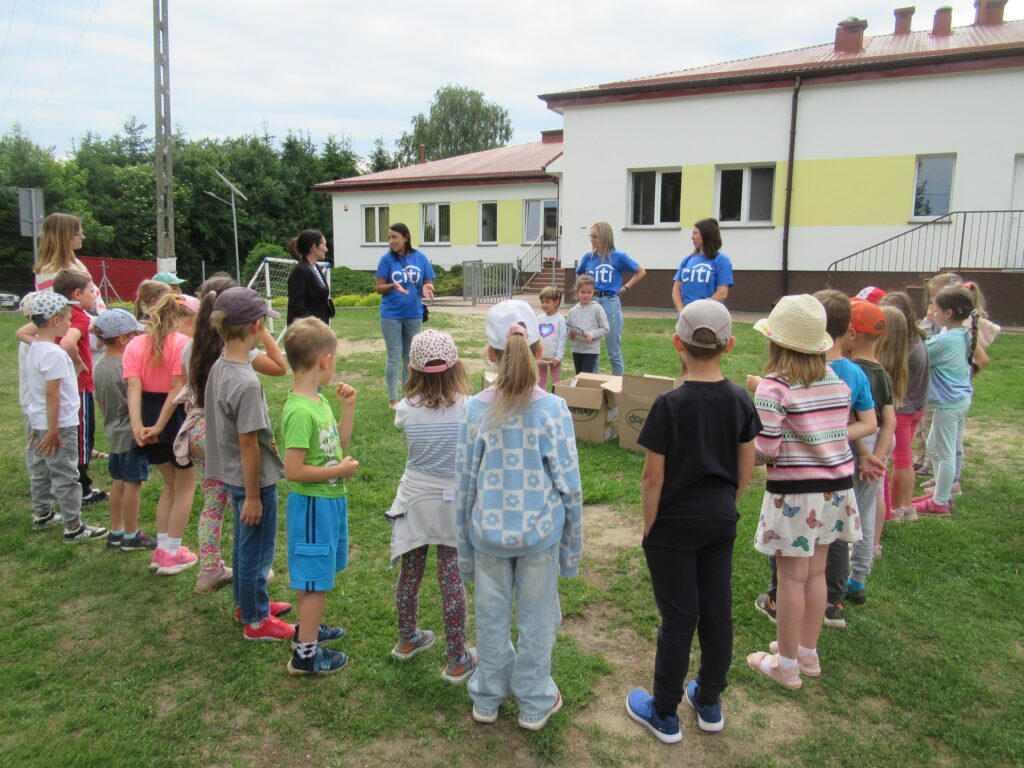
(487, 283)
(538, 261)
(959, 240)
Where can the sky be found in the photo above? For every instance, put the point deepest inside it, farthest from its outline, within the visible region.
(362, 70)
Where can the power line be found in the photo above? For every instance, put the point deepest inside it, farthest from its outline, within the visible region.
(66, 62)
(10, 23)
(24, 58)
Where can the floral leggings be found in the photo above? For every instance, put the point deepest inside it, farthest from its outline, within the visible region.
(215, 501)
(453, 597)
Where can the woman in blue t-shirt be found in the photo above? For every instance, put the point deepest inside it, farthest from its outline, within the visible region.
(707, 272)
(606, 265)
(404, 277)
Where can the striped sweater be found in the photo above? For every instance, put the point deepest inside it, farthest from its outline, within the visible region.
(803, 435)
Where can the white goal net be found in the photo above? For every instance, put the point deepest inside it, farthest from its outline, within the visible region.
(271, 281)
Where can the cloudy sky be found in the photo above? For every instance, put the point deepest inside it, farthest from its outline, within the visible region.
(362, 69)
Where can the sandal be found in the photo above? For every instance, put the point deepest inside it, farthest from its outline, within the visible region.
(808, 665)
(786, 678)
(99, 454)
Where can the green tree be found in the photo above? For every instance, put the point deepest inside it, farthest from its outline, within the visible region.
(380, 159)
(459, 121)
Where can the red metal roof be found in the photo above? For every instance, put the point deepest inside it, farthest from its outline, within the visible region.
(522, 162)
(879, 52)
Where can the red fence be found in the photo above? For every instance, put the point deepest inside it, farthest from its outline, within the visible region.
(123, 275)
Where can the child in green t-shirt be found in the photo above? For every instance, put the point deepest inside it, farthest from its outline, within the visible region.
(317, 517)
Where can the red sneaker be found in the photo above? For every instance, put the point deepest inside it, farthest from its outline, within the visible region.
(931, 507)
(276, 609)
(270, 629)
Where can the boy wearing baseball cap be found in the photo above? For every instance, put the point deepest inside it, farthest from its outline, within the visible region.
(700, 457)
(242, 453)
(867, 324)
(128, 465)
(53, 408)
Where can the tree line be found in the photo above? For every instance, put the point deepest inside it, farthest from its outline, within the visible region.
(109, 182)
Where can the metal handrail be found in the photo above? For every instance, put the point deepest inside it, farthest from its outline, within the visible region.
(959, 239)
(532, 263)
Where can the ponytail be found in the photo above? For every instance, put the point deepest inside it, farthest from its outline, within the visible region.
(517, 376)
(207, 343)
(164, 317)
(972, 332)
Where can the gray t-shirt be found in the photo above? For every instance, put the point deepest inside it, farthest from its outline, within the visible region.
(589, 318)
(112, 399)
(236, 404)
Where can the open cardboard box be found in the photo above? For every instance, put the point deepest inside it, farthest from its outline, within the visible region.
(594, 408)
(635, 395)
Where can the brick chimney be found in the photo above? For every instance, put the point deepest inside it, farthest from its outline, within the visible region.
(943, 24)
(903, 18)
(423, 153)
(850, 35)
(988, 13)
(554, 136)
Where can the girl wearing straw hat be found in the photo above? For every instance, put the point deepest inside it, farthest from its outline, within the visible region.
(808, 501)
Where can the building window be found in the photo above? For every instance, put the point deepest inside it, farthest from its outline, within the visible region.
(746, 195)
(437, 223)
(541, 217)
(375, 224)
(655, 197)
(488, 222)
(933, 184)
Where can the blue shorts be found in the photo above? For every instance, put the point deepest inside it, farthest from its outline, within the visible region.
(317, 541)
(130, 466)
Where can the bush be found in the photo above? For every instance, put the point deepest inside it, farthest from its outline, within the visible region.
(448, 282)
(346, 281)
(259, 252)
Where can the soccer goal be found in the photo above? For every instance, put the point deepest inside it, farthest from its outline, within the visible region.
(271, 281)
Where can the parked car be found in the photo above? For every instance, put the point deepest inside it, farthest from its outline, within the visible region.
(9, 301)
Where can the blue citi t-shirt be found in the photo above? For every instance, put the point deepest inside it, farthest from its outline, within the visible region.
(607, 274)
(410, 271)
(700, 277)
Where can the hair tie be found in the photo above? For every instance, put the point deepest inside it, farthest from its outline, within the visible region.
(516, 329)
(969, 285)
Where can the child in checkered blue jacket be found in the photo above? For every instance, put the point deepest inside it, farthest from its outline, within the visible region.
(519, 515)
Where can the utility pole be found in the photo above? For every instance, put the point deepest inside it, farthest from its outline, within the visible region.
(164, 168)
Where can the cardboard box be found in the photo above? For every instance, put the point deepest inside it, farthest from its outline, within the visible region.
(635, 396)
(594, 409)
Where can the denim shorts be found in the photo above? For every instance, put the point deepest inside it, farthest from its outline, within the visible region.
(132, 466)
(317, 541)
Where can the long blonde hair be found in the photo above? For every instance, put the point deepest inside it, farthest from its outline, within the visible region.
(904, 304)
(164, 317)
(147, 294)
(795, 367)
(605, 239)
(437, 390)
(891, 351)
(517, 377)
(55, 252)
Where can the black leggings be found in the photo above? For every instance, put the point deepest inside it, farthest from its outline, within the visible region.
(585, 362)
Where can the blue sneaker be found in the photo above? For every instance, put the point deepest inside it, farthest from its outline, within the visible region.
(325, 662)
(709, 717)
(640, 707)
(324, 634)
(855, 592)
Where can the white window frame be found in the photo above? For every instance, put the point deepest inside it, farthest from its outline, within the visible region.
(527, 240)
(437, 218)
(914, 216)
(744, 219)
(480, 223)
(658, 175)
(376, 222)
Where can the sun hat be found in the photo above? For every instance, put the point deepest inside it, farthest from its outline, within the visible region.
(167, 277)
(45, 304)
(432, 345)
(243, 305)
(704, 313)
(866, 318)
(502, 317)
(872, 294)
(797, 323)
(115, 322)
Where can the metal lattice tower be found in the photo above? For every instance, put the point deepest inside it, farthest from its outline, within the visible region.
(164, 137)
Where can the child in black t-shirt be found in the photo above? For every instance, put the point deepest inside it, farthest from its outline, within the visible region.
(700, 457)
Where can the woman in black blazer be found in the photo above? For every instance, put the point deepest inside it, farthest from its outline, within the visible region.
(308, 292)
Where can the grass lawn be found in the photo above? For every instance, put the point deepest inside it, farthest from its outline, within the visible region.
(103, 664)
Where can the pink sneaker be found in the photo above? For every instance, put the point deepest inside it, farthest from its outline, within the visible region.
(270, 629)
(168, 564)
(929, 506)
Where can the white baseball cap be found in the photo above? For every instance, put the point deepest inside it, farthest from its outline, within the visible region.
(503, 316)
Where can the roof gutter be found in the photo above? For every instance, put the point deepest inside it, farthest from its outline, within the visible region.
(789, 188)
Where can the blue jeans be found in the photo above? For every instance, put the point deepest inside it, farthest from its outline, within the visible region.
(613, 341)
(524, 672)
(397, 338)
(945, 441)
(252, 554)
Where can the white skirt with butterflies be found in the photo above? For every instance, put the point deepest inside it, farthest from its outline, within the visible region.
(792, 524)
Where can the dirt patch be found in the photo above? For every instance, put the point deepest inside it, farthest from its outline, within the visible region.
(347, 347)
(993, 444)
(608, 531)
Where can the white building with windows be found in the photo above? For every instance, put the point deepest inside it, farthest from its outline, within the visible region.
(490, 206)
(804, 156)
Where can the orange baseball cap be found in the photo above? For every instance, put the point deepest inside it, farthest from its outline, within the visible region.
(866, 317)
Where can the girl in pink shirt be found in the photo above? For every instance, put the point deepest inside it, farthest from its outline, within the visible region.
(153, 369)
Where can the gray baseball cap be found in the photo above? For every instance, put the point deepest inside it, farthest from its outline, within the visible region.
(704, 313)
(115, 322)
(244, 305)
